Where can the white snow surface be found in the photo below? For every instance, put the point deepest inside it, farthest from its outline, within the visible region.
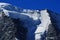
(4, 4)
(31, 18)
(45, 22)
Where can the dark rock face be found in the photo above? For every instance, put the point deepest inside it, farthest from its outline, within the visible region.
(21, 30)
(7, 29)
(53, 30)
(52, 33)
(11, 28)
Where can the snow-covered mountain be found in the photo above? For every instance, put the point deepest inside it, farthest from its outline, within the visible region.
(37, 22)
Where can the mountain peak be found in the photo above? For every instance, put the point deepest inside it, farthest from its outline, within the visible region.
(4, 4)
(1, 3)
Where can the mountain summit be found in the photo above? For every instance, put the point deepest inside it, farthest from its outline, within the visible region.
(32, 24)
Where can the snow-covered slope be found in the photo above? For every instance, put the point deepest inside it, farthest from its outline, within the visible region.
(36, 21)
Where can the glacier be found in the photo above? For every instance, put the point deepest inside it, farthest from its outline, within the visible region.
(37, 22)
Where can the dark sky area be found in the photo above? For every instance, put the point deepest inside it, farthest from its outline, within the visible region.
(53, 5)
